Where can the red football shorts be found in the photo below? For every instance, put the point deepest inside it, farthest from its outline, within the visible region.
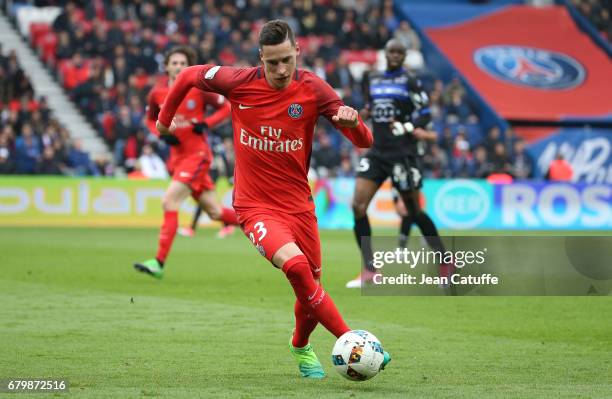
(193, 172)
(269, 230)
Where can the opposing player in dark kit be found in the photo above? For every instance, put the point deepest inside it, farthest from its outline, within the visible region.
(398, 108)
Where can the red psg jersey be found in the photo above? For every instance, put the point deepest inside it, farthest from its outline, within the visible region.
(273, 131)
(192, 109)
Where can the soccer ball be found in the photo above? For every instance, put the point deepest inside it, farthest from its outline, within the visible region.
(357, 355)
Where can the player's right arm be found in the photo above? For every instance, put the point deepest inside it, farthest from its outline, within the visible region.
(209, 78)
(181, 86)
(151, 118)
(344, 118)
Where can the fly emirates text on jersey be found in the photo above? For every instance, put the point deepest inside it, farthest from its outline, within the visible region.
(271, 140)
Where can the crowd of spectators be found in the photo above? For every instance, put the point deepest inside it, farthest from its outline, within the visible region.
(462, 149)
(31, 140)
(457, 157)
(598, 13)
(108, 55)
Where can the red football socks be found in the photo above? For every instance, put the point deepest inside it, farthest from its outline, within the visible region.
(228, 216)
(312, 296)
(305, 324)
(166, 234)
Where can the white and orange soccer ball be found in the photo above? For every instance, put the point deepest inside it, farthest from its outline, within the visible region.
(357, 355)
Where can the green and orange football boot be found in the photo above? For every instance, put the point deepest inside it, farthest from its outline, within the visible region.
(308, 363)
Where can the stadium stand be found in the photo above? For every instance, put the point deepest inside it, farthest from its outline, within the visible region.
(32, 141)
(534, 86)
(598, 13)
(107, 55)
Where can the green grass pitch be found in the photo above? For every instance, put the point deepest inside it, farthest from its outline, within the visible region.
(218, 325)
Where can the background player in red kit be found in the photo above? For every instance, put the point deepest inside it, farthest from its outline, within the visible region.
(274, 112)
(190, 155)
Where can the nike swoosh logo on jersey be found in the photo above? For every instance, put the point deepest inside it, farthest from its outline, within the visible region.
(243, 106)
(184, 174)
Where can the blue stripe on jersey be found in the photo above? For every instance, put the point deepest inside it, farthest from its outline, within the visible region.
(391, 96)
(381, 90)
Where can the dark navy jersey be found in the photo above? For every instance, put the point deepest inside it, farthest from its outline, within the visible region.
(395, 96)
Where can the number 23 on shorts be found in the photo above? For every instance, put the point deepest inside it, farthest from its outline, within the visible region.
(259, 233)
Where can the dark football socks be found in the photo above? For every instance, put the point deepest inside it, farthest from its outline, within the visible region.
(405, 228)
(363, 234)
(428, 229)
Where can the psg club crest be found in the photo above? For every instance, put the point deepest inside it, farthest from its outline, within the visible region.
(295, 110)
(191, 104)
(531, 67)
(261, 250)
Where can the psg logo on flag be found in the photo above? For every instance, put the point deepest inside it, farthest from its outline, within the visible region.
(295, 110)
(532, 67)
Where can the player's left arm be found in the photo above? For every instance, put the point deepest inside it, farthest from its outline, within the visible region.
(222, 113)
(344, 118)
(223, 110)
(415, 111)
(208, 78)
(151, 118)
(420, 100)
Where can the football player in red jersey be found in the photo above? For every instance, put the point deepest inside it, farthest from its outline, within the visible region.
(190, 154)
(275, 108)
